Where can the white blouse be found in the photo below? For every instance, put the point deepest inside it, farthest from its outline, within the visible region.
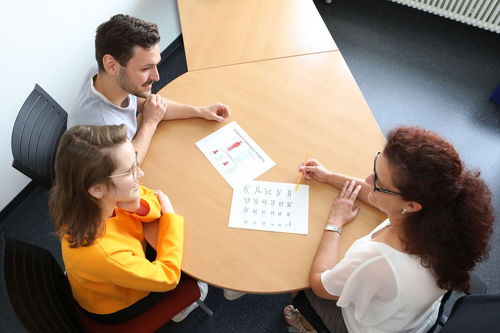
(381, 289)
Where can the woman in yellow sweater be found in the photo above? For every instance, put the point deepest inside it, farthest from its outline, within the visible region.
(98, 208)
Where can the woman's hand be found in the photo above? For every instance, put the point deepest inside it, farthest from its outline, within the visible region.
(315, 170)
(343, 210)
(166, 205)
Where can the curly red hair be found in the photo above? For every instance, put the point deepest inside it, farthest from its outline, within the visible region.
(451, 232)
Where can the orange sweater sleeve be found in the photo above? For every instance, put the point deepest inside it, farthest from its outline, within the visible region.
(125, 269)
(116, 258)
(150, 201)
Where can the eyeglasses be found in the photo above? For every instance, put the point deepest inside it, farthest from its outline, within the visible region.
(375, 179)
(134, 171)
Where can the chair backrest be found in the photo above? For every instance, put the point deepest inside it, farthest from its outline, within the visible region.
(38, 289)
(476, 286)
(474, 313)
(37, 130)
(438, 323)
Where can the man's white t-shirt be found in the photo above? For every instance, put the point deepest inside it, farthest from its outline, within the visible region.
(92, 108)
(382, 289)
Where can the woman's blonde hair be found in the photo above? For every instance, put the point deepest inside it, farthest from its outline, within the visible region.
(83, 160)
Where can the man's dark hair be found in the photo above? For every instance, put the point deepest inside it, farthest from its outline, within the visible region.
(120, 34)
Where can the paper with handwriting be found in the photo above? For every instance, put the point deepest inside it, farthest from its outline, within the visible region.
(270, 206)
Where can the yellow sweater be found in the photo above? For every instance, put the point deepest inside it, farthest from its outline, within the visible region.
(113, 272)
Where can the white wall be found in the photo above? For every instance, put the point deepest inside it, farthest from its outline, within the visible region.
(51, 43)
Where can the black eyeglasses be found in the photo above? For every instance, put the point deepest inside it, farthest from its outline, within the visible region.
(375, 179)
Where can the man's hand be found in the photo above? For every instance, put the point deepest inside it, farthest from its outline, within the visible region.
(154, 109)
(218, 112)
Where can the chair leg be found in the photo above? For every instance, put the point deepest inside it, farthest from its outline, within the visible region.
(205, 308)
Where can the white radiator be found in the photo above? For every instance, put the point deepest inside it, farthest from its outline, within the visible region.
(483, 14)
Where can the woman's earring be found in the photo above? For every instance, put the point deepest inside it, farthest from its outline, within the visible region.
(403, 211)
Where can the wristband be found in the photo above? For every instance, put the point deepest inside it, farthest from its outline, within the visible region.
(334, 228)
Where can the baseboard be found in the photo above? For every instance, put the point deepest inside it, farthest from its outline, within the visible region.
(18, 199)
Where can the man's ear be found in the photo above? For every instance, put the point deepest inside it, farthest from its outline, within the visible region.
(97, 191)
(111, 65)
(413, 207)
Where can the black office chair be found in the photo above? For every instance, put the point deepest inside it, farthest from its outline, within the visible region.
(37, 130)
(38, 289)
(40, 295)
(476, 286)
(461, 320)
(474, 313)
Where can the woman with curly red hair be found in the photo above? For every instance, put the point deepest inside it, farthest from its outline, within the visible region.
(439, 222)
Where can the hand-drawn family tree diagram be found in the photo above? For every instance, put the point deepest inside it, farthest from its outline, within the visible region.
(234, 154)
(270, 206)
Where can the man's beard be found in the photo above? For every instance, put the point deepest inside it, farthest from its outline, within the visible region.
(123, 81)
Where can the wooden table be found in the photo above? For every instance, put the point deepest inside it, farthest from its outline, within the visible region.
(289, 106)
(224, 32)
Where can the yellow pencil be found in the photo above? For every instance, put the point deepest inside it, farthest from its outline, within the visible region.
(299, 178)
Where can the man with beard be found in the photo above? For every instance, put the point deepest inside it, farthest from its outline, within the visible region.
(127, 52)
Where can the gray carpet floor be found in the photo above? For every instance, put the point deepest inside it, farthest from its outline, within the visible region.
(413, 69)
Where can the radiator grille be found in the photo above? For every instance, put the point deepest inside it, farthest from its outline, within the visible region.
(483, 14)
